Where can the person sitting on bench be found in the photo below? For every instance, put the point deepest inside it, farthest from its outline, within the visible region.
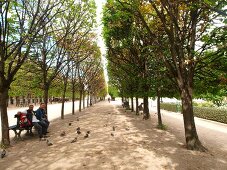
(39, 125)
(41, 115)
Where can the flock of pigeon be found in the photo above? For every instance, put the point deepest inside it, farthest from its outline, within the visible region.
(63, 133)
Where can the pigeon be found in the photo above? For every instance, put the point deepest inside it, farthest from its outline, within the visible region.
(112, 134)
(74, 140)
(86, 136)
(3, 154)
(88, 132)
(113, 128)
(62, 133)
(49, 143)
(78, 132)
(70, 124)
(42, 139)
(78, 128)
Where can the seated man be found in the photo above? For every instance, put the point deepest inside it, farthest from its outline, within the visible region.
(39, 125)
(41, 115)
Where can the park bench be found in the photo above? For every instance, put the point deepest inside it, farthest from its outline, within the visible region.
(17, 129)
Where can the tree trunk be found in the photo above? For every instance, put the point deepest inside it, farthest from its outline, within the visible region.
(80, 102)
(91, 100)
(137, 103)
(192, 140)
(83, 99)
(46, 90)
(132, 104)
(4, 117)
(63, 99)
(88, 99)
(62, 107)
(146, 108)
(73, 99)
(158, 109)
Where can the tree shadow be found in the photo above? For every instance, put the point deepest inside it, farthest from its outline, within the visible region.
(135, 144)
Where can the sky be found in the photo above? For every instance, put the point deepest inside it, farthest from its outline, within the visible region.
(99, 4)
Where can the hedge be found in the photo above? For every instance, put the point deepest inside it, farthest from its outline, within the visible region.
(210, 113)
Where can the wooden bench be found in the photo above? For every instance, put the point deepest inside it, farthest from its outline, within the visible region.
(17, 129)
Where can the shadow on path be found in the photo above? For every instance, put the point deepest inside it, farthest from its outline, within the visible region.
(135, 144)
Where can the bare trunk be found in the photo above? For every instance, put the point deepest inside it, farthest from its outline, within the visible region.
(192, 140)
(88, 100)
(46, 90)
(146, 108)
(62, 107)
(137, 103)
(83, 99)
(73, 99)
(4, 117)
(80, 102)
(158, 109)
(132, 104)
(63, 100)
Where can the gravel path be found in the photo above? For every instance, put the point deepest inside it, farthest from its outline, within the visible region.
(135, 144)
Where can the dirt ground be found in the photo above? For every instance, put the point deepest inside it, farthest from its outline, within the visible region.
(135, 144)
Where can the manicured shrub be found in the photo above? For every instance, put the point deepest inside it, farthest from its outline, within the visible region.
(210, 113)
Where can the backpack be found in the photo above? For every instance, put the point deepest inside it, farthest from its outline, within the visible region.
(23, 120)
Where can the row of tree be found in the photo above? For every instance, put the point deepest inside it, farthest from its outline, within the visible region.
(48, 47)
(166, 48)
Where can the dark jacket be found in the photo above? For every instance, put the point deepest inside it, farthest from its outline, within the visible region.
(40, 114)
(29, 115)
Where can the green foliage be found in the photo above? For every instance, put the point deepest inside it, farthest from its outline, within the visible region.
(210, 113)
(169, 106)
(113, 91)
(203, 104)
(215, 114)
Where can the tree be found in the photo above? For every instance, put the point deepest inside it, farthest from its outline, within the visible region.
(19, 27)
(184, 24)
(54, 39)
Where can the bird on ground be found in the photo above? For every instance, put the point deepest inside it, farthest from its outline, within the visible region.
(42, 139)
(78, 128)
(78, 132)
(63, 133)
(3, 153)
(70, 124)
(88, 132)
(112, 134)
(86, 136)
(49, 143)
(74, 140)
